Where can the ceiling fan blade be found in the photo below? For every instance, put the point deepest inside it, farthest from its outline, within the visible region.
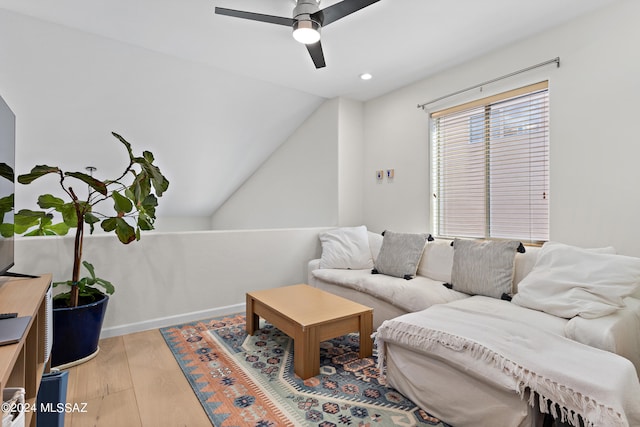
(315, 50)
(339, 10)
(255, 16)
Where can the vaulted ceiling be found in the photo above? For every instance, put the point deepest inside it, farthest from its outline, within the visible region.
(397, 41)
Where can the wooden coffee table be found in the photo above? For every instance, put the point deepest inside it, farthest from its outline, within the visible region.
(309, 315)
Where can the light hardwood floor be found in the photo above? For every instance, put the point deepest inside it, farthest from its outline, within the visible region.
(133, 381)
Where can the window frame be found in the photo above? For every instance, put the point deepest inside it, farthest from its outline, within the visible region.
(484, 137)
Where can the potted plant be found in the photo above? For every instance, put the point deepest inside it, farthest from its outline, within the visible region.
(78, 313)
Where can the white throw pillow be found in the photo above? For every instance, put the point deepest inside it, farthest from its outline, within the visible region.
(346, 248)
(568, 281)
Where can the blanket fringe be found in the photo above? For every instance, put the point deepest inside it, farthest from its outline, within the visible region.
(591, 412)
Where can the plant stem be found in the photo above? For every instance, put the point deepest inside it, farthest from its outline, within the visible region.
(77, 250)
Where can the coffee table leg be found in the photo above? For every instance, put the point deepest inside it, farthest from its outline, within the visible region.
(253, 320)
(306, 353)
(366, 329)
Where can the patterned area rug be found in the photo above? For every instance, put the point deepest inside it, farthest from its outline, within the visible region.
(249, 381)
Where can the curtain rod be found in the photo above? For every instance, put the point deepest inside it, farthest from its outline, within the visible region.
(555, 60)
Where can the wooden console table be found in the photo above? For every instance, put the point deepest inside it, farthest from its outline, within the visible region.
(310, 315)
(23, 363)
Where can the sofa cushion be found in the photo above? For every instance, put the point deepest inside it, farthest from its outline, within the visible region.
(375, 243)
(568, 281)
(483, 267)
(400, 254)
(482, 304)
(409, 295)
(437, 261)
(618, 332)
(346, 247)
(524, 263)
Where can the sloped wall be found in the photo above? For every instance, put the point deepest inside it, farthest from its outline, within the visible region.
(313, 179)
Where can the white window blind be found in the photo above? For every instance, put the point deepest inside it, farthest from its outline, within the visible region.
(490, 167)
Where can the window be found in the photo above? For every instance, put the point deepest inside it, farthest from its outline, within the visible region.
(490, 167)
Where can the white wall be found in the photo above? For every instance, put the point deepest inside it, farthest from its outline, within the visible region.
(350, 162)
(594, 143)
(167, 278)
(313, 179)
(180, 223)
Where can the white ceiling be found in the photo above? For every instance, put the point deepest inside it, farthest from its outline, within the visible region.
(398, 41)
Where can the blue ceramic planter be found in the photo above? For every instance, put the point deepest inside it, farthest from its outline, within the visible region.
(76, 331)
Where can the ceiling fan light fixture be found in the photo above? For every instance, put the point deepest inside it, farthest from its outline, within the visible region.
(306, 31)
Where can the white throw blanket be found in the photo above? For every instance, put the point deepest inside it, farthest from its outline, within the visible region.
(600, 386)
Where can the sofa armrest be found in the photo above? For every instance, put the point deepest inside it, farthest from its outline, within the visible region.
(314, 264)
(618, 332)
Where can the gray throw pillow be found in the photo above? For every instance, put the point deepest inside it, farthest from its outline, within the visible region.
(483, 267)
(400, 254)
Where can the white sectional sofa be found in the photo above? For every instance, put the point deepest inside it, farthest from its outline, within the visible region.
(393, 296)
(449, 383)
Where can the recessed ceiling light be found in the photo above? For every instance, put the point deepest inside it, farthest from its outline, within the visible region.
(366, 76)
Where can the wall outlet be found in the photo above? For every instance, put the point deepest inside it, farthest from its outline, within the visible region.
(379, 175)
(390, 173)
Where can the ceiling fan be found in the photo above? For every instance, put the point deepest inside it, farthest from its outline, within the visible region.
(307, 21)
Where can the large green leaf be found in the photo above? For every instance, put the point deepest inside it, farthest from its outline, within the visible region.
(92, 182)
(91, 219)
(125, 143)
(48, 201)
(144, 222)
(108, 224)
(122, 204)
(140, 187)
(69, 214)
(68, 210)
(148, 206)
(108, 286)
(24, 219)
(6, 205)
(125, 232)
(6, 230)
(40, 232)
(60, 228)
(6, 172)
(159, 182)
(90, 269)
(37, 172)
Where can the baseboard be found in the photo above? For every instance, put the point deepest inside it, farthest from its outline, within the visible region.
(162, 322)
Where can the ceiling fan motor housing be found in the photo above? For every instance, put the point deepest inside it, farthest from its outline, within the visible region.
(304, 9)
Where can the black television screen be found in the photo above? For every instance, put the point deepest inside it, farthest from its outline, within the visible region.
(7, 184)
